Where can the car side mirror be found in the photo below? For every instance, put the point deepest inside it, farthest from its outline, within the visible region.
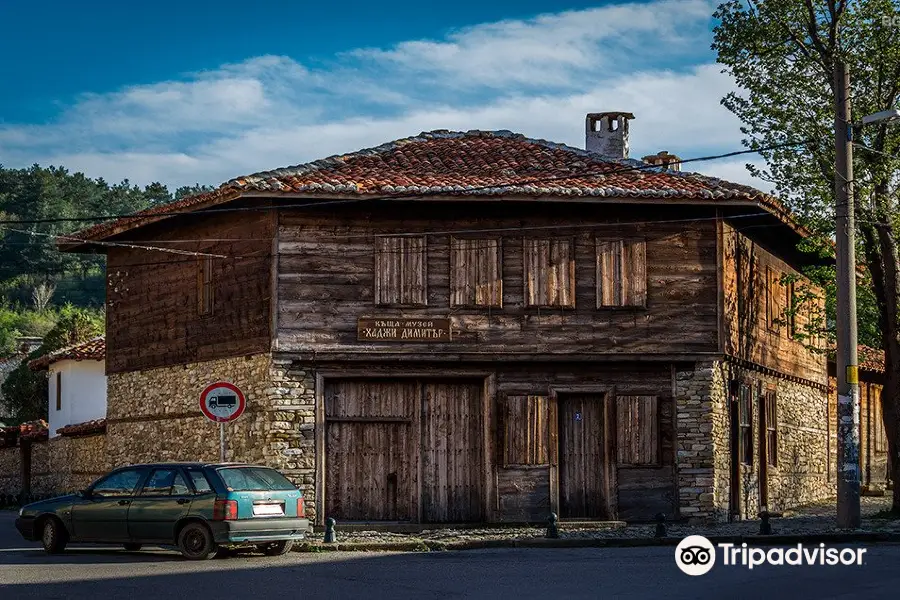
(85, 494)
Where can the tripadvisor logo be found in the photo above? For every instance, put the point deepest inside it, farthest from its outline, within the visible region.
(696, 555)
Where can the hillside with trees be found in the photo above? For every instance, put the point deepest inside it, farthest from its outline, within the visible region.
(46, 293)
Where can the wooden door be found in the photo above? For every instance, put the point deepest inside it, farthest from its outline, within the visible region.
(584, 457)
(452, 452)
(370, 450)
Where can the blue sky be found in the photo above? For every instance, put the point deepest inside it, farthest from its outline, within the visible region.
(184, 92)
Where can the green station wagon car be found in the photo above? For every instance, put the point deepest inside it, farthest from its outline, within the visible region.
(202, 509)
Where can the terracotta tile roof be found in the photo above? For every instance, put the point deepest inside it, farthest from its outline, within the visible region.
(472, 163)
(870, 359)
(87, 428)
(93, 349)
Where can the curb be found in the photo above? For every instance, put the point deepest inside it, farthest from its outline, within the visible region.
(540, 542)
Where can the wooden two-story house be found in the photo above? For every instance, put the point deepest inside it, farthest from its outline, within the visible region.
(475, 327)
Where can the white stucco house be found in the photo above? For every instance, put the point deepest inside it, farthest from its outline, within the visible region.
(77, 383)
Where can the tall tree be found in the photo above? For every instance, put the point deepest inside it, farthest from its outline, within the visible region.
(781, 53)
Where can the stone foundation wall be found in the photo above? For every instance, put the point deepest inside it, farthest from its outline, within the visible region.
(703, 432)
(701, 429)
(60, 465)
(10, 471)
(154, 415)
(801, 473)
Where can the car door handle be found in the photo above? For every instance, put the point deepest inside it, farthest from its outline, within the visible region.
(124, 502)
(183, 500)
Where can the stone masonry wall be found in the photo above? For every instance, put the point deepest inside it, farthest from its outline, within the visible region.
(60, 465)
(801, 473)
(701, 424)
(10, 471)
(703, 458)
(154, 415)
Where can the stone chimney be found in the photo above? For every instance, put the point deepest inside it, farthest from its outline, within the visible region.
(663, 159)
(606, 134)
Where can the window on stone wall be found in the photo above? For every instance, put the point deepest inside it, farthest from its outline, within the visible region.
(745, 416)
(58, 390)
(771, 409)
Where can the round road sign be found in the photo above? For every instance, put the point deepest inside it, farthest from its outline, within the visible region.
(222, 402)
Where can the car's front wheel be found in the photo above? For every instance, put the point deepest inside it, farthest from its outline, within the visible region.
(53, 536)
(133, 547)
(277, 548)
(195, 541)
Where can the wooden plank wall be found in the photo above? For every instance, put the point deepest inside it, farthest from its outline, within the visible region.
(748, 304)
(152, 296)
(326, 282)
(523, 493)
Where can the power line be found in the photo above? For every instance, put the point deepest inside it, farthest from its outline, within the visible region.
(410, 196)
(105, 243)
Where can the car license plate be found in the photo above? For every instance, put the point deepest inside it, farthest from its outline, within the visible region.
(268, 510)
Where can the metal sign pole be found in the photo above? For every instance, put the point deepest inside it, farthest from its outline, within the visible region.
(221, 441)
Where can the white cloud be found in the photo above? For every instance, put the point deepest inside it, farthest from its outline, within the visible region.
(538, 77)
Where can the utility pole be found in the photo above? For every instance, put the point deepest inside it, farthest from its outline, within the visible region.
(848, 516)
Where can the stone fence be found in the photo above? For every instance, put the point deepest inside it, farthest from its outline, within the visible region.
(59, 465)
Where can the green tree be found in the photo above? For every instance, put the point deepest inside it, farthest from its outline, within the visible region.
(781, 53)
(25, 391)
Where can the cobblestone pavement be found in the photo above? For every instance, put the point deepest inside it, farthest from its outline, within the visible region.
(812, 519)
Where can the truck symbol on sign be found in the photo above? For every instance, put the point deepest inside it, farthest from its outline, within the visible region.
(226, 401)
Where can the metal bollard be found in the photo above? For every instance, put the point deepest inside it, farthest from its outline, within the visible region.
(660, 525)
(329, 530)
(552, 526)
(765, 528)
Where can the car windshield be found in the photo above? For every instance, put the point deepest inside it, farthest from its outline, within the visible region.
(247, 479)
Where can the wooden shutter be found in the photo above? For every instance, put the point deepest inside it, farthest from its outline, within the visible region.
(205, 286)
(549, 272)
(400, 271)
(776, 295)
(634, 273)
(475, 272)
(621, 273)
(527, 431)
(58, 390)
(771, 409)
(609, 273)
(637, 424)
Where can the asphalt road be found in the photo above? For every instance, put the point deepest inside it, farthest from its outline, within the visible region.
(92, 572)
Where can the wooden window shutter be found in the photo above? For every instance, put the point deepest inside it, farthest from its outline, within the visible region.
(205, 286)
(549, 272)
(621, 273)
(637, 430)
(526, 432)
(771, 409)
(776, 296)
(475, 272)
(609, 273)
(400, 272)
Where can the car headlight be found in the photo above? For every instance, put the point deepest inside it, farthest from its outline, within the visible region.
(21, 510)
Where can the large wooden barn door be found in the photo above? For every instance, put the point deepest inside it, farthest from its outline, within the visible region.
(584, 457)
(370, 450)
(452, 452)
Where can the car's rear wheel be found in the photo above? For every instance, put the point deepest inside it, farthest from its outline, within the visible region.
(277, 548)
(195, 541)
(53, 536)
(133, 547)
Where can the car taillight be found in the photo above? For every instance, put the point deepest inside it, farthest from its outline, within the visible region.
(225, 510)
(301, 508)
